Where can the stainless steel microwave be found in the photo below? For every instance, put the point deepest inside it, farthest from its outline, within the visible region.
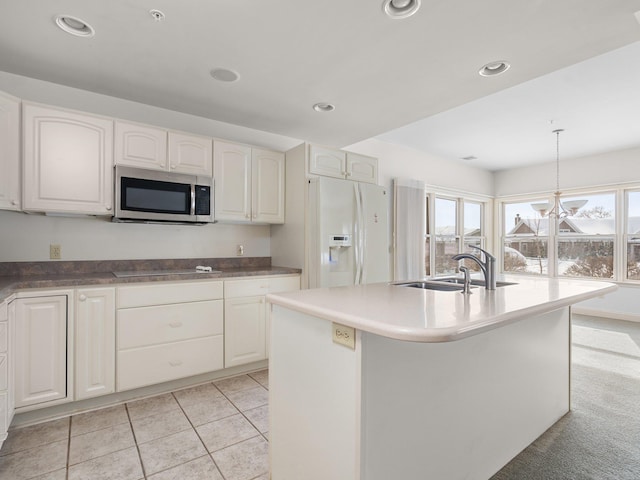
(153, 196)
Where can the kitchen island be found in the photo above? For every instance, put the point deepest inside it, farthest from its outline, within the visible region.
(435, 384)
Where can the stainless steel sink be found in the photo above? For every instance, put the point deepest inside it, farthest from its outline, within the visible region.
(474, 281)
(433, 285)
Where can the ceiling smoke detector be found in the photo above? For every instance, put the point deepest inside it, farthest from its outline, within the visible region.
(224, 75)
(74, 26)
(324, 107)
(157, 15)
(398, 9)
(494, 68)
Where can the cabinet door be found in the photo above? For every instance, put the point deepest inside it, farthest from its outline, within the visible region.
(267, 192)
(68, 161)
(190, 154)
(327, 162)
(140, 146)
(9, 152)
(244, 330)
(95, 342)
(232, 173)
(41, 350)
(361, 168)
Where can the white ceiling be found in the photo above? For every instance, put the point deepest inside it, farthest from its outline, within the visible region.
(380, 73)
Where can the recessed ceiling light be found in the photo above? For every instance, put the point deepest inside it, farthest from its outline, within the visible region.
(494, 68)
(224, 75)
(74, 26)
(324, 107)
(398, 9)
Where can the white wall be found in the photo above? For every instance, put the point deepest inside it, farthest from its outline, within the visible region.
(610, 168)
(398, 161)
(27, 237)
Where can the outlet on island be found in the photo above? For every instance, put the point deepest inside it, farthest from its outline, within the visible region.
(239, 250)
(55, 251)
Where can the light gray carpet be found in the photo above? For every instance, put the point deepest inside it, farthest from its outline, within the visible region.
(600, 438)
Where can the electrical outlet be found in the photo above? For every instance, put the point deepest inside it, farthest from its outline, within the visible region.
(344, 335)
(55, 252)
(239, 250)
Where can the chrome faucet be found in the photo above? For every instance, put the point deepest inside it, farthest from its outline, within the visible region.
(488, 267)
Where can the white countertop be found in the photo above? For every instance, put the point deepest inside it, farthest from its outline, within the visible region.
(418, 315)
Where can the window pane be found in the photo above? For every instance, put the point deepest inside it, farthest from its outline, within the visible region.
(446, 247)
(427, 256)
(470, 264)
(446, 212)
(633, 239)
(582, 249)
(526, 238)
(472, 219)
(585, 256)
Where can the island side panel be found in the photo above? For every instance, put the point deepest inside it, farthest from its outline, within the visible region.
(314, 400)
(462, 409)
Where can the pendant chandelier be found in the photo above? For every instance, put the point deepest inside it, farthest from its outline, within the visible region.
(558, 209)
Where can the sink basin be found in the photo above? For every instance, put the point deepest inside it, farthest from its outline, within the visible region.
(433, 285)
(474, 281)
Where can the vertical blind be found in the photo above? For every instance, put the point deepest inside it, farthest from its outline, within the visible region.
(409, 229)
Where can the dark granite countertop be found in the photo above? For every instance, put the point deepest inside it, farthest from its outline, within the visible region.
(15, 276)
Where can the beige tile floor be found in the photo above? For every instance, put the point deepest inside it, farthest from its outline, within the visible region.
(214, 431)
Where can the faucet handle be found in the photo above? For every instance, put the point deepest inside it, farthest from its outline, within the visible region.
(486, 254)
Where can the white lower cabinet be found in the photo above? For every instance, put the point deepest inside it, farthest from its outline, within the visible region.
(6, 369)
(246, 317)
(95, 342)
(41, 350)
(159, 341)
(245, 330)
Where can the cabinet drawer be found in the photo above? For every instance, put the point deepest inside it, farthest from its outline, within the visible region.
(260, 286)
(4, 336)
(4, 372)
(145, 326)
(246, 288)
(165, 293)
(149, 365)
(284, 284)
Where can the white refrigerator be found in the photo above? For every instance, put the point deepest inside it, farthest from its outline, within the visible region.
(348, 233)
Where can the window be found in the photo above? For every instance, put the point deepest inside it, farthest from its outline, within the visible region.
(632, 237)
(525, 238)
(447, 240)
(455, 224)
(586, 239)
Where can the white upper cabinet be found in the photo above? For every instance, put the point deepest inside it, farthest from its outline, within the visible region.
(190, 154)
(267, 186)
(327, 162)
(68, 161)
(140, 146)
(149, 147)
(361, 168)
(249, 184)
(339, 164)
(9, 152)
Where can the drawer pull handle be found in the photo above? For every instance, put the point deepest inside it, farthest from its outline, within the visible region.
(175, 363)
(175, 324)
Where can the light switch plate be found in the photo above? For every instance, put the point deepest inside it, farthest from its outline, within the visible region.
(343, 335)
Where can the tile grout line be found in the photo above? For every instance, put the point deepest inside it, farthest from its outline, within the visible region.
(198, 435)
(66, 476)
(135, 441)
